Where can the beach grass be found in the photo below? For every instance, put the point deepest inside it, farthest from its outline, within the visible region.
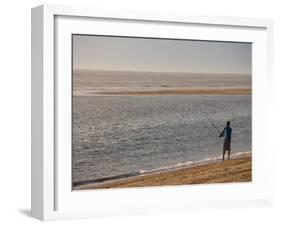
(238, 169)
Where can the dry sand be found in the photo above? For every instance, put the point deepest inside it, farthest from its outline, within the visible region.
(233, 170)
(166, 91)
(183, 91)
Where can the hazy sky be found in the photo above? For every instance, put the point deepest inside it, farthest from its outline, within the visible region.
(139, 54)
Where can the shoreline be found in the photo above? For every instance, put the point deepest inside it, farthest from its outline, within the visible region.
(237, 169)
(169, 92)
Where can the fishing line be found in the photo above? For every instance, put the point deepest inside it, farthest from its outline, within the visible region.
(214, 127)
(211, 122)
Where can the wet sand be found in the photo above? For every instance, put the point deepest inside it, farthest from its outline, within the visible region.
(186, 91)
(238, 169)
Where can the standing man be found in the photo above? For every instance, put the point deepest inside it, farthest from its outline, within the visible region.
(226, 133)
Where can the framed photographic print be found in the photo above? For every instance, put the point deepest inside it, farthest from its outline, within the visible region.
(136, 112)
(144, 109)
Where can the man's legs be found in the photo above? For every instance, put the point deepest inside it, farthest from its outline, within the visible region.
(223, 155)
(228, 154)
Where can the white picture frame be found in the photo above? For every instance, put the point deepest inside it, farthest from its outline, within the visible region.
(52, 197)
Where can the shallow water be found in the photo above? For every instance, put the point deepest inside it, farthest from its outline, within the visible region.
(115, 135)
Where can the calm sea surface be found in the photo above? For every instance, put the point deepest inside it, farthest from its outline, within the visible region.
(115, 135)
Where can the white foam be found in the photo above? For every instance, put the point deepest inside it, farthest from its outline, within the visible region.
(190, 163)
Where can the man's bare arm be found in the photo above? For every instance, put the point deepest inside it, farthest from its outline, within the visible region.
(222, 133)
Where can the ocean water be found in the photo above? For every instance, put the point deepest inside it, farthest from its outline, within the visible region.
(128, 135)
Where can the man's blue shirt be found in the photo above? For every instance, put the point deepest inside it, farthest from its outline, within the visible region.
(227, 133)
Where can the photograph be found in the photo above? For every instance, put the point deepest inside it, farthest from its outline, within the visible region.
(152, 111)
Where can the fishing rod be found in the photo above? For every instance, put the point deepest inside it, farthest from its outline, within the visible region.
(212, 124)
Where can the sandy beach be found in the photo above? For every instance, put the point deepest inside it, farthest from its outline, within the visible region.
(166, 91)
(238, 169)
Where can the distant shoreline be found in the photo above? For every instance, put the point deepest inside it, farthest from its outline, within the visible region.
(237, 169)
(170, 91)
